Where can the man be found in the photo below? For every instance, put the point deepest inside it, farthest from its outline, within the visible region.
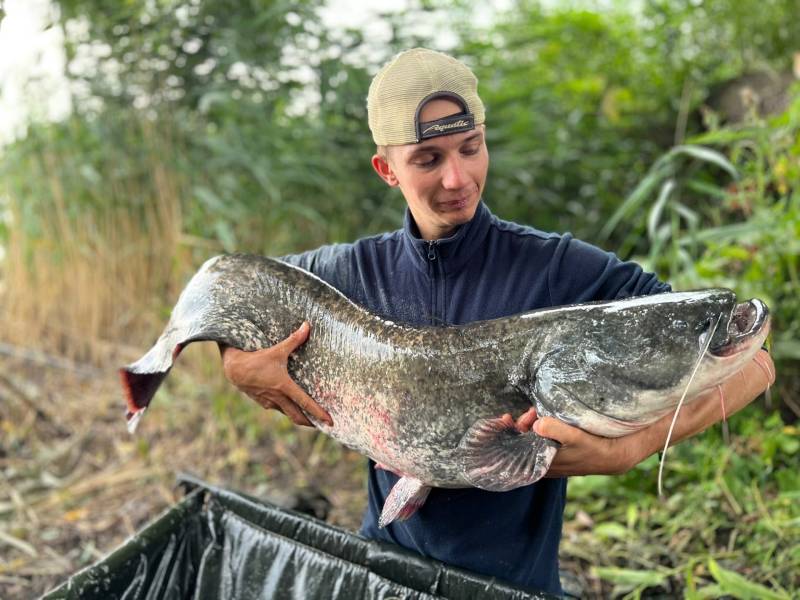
(454, 262)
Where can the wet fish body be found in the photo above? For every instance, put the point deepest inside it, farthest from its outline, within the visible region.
(426, 401)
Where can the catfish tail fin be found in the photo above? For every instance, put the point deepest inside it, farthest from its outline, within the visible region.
(205, 311)
(141, 379)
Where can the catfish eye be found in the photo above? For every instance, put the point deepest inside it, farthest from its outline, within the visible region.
(680, 325)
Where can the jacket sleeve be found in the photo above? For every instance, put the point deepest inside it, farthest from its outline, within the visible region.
(331, 263)
(580, 272)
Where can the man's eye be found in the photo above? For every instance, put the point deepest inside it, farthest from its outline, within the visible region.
(471, 150)
(427, 161)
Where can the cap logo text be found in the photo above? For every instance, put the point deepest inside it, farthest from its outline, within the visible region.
(445, 126)
(441, 128)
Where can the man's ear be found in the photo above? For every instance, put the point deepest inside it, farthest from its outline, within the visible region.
(384, 170)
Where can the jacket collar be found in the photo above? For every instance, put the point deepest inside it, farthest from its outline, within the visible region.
(455, 251)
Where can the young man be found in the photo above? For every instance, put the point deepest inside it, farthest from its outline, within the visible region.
(454, 262)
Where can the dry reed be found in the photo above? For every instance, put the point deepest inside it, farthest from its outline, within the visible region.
(96, 279)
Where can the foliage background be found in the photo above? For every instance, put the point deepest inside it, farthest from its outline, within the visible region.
(200, 127)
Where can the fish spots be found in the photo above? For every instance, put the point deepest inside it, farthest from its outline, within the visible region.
(380, 426)
(378, 439)
(381, 416)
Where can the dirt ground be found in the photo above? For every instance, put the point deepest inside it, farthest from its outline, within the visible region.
(74, 484)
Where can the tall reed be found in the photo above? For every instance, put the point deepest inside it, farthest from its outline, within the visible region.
(87, 273)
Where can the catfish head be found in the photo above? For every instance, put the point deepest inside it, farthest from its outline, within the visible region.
(618, 366)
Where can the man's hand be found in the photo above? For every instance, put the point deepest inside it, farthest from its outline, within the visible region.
(581, 453)
(263, 375)
(586, 454)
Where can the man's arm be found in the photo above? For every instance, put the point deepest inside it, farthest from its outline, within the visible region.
(263, 375)
(586, 454)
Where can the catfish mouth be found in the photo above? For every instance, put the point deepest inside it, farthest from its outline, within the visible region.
(747, 321)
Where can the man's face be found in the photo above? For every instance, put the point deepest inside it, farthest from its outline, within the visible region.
(442, 178)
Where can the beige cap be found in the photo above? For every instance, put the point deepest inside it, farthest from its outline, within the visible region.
(410, 80)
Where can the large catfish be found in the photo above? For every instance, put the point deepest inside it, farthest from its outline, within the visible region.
(427, 402)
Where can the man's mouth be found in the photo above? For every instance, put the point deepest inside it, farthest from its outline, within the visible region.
(459, 203)
(747, 320)
(456, 203)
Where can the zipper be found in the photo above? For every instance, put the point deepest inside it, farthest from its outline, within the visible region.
(434, 269)
(432, 250)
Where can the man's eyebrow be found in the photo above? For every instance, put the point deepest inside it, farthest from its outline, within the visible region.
(422, 150)
(475, 136)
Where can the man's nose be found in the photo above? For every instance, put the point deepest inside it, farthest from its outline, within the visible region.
(454, 176)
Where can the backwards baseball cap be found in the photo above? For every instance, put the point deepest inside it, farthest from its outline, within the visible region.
(407, 83)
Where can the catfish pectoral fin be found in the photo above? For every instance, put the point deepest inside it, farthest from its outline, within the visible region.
(496, 456)
(407, 495)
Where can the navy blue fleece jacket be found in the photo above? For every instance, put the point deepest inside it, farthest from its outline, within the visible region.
(489, 268)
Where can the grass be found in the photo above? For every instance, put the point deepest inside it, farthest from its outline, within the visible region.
(729, 515)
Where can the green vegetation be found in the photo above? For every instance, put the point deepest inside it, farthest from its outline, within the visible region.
(200, 127)
(739, 230)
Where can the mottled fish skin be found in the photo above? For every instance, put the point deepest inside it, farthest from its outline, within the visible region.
(405, 396)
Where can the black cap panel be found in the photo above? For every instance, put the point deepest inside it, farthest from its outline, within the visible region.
(463, 121)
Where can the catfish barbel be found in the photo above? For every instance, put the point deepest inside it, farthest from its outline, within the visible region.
(427, 402)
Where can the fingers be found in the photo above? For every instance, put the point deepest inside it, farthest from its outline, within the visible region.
(289, 399)
(763, 360)
(526, 421)
(296, 339)
(282, 404)
(290, 409)
(557, 430)
(297, 395)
